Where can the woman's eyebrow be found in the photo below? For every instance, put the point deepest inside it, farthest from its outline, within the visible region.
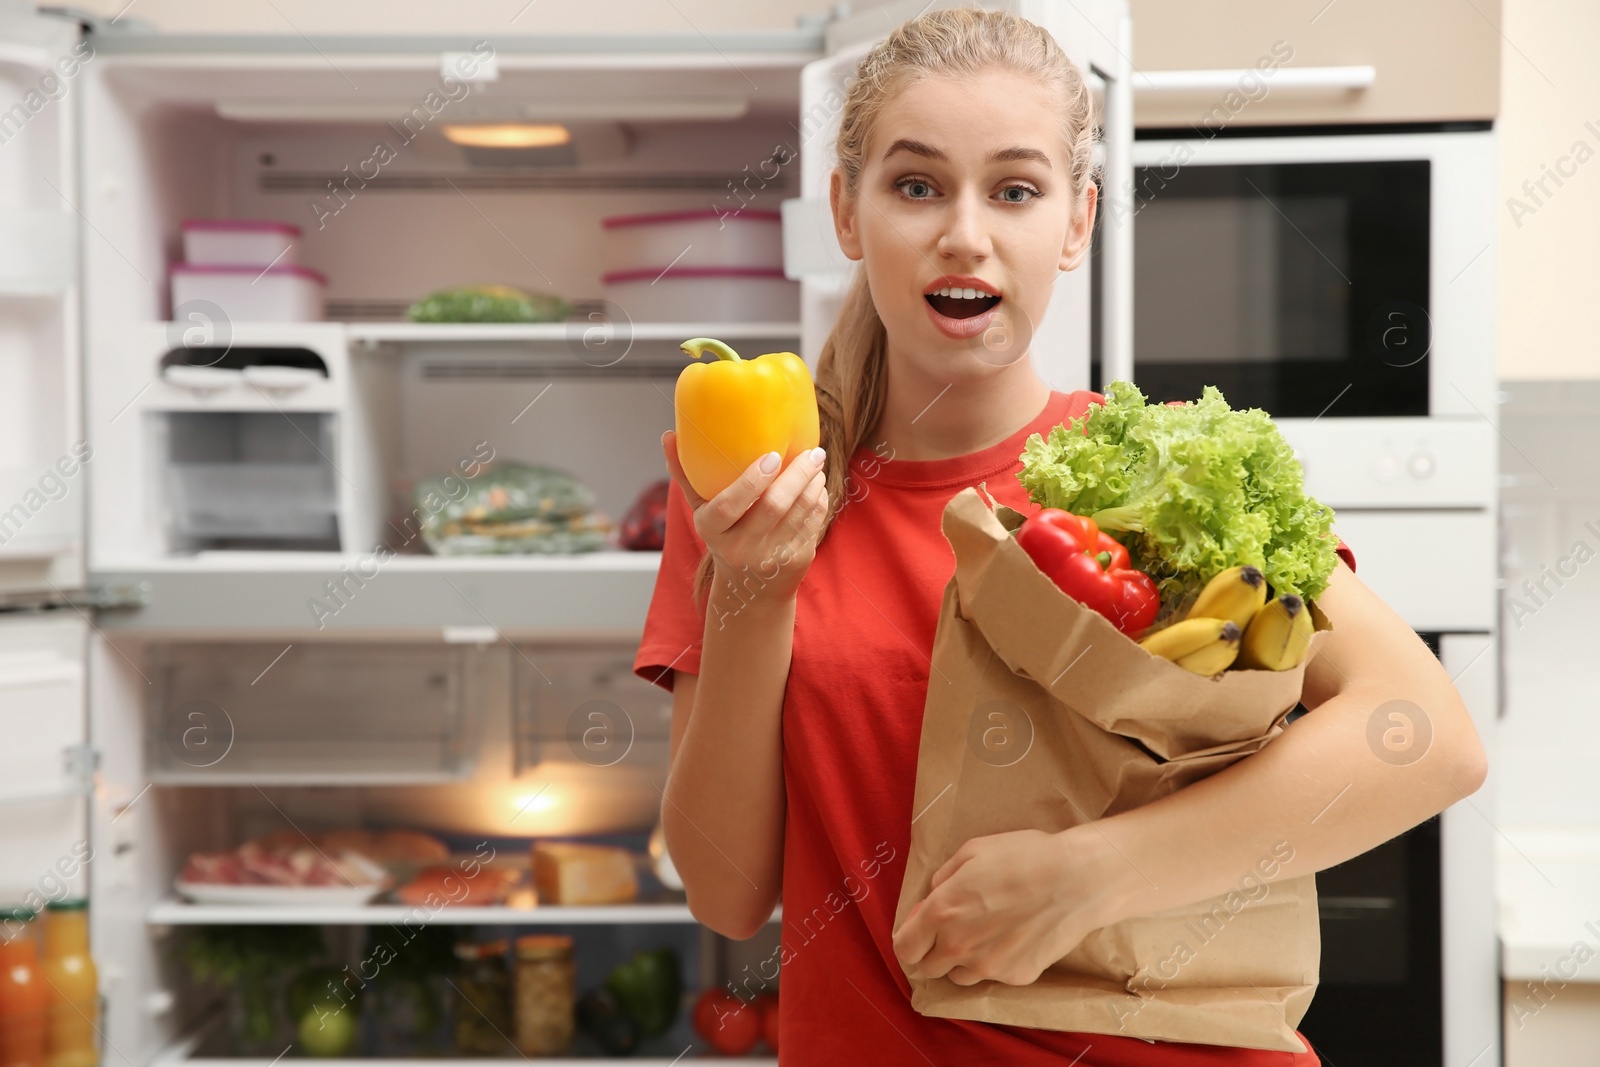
(999, 155)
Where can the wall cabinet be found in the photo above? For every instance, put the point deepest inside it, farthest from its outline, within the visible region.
(1430, 60)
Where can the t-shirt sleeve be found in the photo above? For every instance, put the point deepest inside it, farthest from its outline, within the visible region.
(673, 627)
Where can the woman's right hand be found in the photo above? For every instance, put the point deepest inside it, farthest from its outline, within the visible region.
(768, 522)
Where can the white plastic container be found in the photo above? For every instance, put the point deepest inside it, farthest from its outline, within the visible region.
(705, 294)
(251, 294)
(240, 243)
(692, 239)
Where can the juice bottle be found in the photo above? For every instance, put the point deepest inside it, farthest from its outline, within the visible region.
(73, 986)
(22, 990)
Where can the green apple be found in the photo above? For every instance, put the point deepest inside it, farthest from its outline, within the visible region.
(328, 1030)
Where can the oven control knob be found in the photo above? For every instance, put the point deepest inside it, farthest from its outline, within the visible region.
(1387, 467)
(1422, 464)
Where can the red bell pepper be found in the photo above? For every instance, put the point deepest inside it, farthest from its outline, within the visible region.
(1091, 567)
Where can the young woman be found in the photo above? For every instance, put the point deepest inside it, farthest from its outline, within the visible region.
(799, 662)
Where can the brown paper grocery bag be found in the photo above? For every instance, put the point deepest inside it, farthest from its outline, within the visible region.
(1041, 715)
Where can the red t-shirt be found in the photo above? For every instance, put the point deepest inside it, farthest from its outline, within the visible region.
(865, 617)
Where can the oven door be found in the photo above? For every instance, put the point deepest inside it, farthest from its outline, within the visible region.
(1342, 275)
(1380, 997)
(1410, 968)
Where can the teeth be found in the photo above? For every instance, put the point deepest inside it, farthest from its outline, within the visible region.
(962, 294)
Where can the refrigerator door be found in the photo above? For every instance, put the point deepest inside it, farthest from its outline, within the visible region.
(45, 766)
(1095, 34)
(42, 448)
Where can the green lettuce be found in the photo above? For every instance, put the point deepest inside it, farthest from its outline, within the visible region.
(1190, 489)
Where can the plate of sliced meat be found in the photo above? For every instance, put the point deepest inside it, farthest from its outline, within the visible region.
(281, 870)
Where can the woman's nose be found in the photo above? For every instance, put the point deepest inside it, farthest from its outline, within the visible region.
(965, 234)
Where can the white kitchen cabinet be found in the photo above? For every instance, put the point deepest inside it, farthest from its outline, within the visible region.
(1268, 63)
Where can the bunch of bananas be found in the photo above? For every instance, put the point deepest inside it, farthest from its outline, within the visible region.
(1234, 624)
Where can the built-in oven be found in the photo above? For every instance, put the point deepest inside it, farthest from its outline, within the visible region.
(1343, 280)
(1286, 284)
(1379, 999)
(1345, 275)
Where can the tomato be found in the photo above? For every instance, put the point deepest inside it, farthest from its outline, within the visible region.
(767, 1004)
(728, 1024)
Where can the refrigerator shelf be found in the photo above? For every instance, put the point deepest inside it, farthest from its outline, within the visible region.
(176, 912)
(251, 562)
(558, 332)
(478, 1061)
(231, 594)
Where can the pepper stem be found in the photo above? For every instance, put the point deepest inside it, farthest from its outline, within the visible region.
(1104, 559)
(696, 347)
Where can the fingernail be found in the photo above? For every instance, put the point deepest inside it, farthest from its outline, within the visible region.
(769, 462)
(818, 455)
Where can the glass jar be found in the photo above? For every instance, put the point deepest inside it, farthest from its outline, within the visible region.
(483, 998)
(545, 994)
(24, 997)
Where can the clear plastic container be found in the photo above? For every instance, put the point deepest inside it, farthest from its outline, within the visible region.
(705, 238)
(314, 713)
(585, 705)
(705, 294)
(252, 479)
(254, 501)
(240, 242)
(251, 294)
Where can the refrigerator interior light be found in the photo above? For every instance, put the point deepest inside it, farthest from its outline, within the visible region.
(509, 135)
(543, 800)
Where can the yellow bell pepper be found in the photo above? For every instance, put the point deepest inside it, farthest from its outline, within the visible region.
(730, 412)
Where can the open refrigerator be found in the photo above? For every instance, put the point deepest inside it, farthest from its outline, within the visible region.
(222, 624)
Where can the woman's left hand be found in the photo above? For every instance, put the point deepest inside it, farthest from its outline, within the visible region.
(1007, 906)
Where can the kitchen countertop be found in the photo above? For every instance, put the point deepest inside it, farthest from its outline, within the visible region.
(1548, 891)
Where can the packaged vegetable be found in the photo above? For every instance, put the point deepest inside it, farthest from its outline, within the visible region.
(489, 303)
(509, 507)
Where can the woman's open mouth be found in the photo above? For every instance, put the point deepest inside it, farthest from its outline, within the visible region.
(961, 313)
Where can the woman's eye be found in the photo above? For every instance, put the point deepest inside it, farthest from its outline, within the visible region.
(1031, 193)
(906, 184)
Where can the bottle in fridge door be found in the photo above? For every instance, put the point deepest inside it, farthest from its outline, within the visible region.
(74, 985)
(24, 1000)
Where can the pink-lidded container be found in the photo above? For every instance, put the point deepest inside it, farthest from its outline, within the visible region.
(705, 294)
(700, 238)
(250, 294)
(240, 243)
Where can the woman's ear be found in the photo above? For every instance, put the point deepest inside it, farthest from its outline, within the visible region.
(844, 216)
(1081, 229)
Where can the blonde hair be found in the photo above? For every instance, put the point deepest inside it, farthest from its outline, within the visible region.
(958, 42)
